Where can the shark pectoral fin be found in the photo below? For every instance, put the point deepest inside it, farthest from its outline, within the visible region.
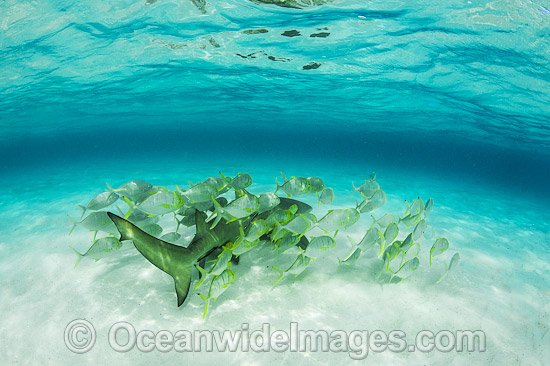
(183, 283)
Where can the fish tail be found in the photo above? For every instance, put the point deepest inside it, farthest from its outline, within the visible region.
(74, 224)
(281, 274)
(203, 278)
(83, 211)
(318, 199)
(78, 256)
(382, 247)
(278, 185)
(218, 211)
(340, 262)
(408, 210)
(111, 189)
(226, 181)
(207, 299)
(178, 189)
(381, 270)
(131, 207)
(353, 244)
(354, 188)
(444, 273)
(284, 178)
(178, 222)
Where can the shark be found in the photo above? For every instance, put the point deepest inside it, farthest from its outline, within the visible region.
(178, 261)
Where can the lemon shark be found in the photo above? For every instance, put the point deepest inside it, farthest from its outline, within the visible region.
(179, 261)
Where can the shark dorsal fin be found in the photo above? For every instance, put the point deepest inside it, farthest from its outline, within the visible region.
(200, 223)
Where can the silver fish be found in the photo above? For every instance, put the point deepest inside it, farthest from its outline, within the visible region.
(327, 196)
(439, 247)
(96, 221)
(337, 219)
(99, 249)
(99, 202)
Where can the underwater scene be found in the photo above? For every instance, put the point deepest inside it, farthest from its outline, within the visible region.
(274, 182)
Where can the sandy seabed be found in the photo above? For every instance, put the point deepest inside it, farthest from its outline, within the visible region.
(501, 286)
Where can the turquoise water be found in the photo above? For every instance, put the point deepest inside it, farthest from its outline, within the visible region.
(448, 101)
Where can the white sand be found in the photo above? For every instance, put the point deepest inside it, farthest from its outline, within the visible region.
(502, 285)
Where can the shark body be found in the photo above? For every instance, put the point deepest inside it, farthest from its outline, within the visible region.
(178, 261)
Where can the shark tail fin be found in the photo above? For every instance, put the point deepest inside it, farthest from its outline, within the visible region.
(78, 256)
(74, 224)
(182, 282)
(154, 250)
(83, 211)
